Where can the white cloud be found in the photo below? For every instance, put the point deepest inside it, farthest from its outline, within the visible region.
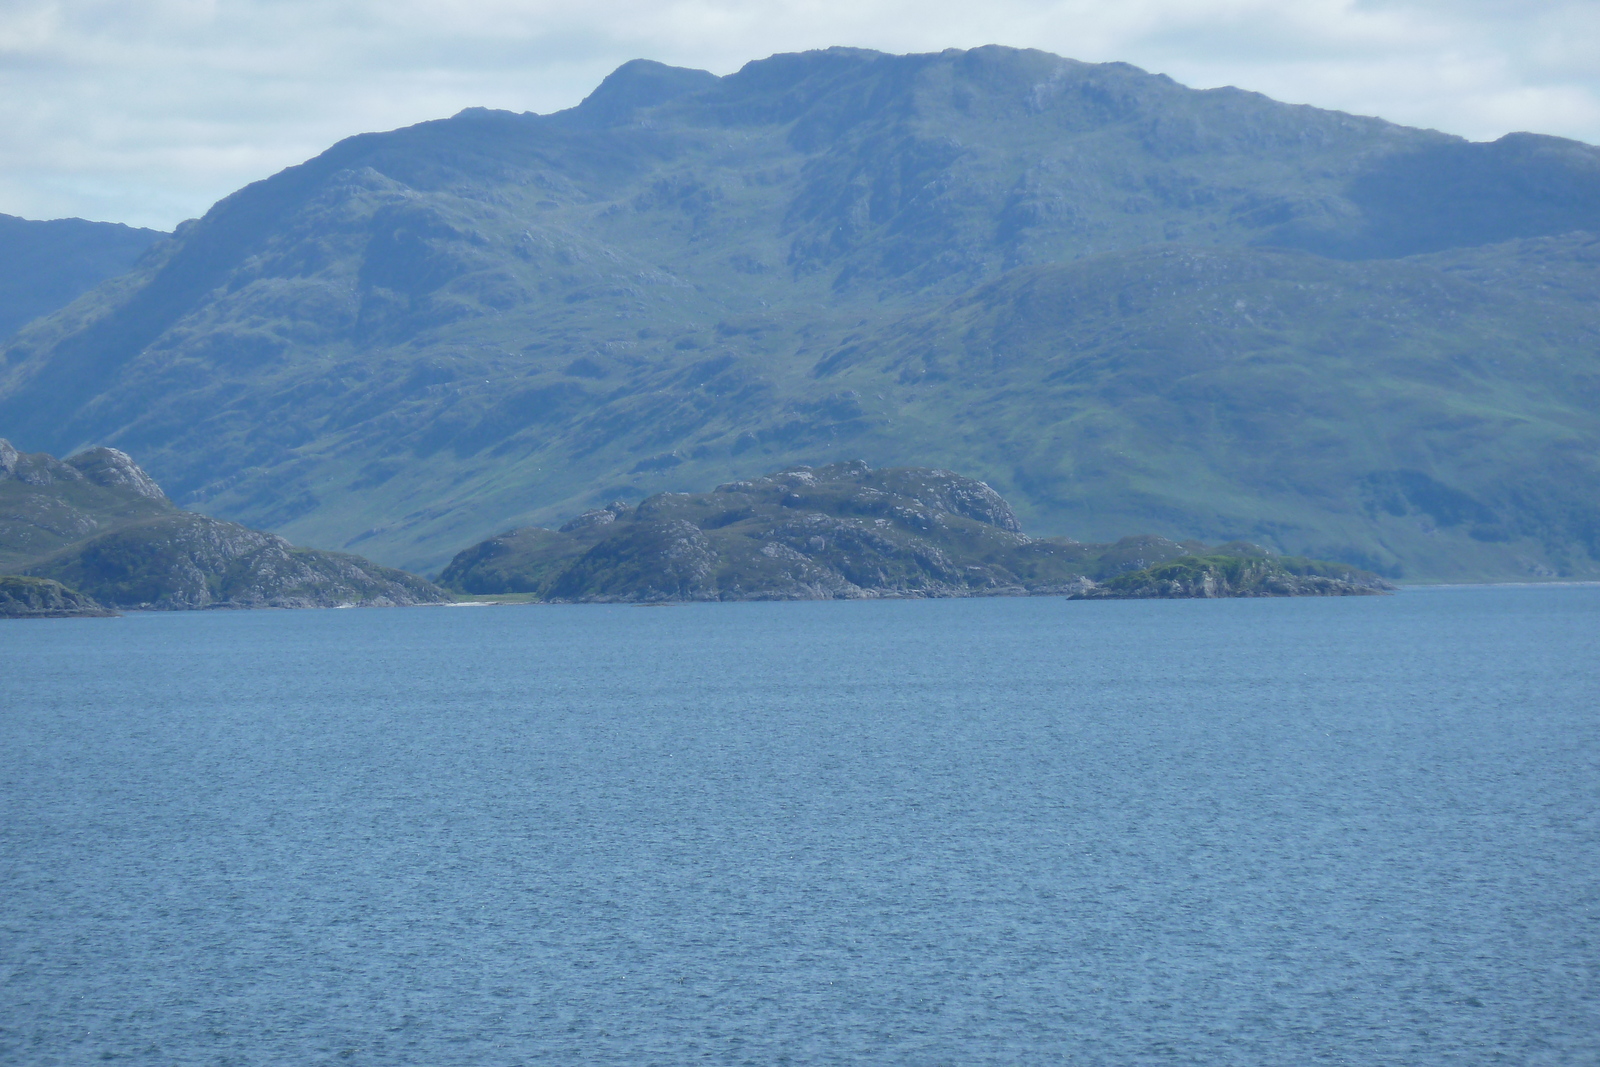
(149, 112)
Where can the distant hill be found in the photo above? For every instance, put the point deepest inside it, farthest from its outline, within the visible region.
(847, 531)
(95, 524)
(44, 266)
(1124, 303)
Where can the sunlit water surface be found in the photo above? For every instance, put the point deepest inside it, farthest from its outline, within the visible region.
(1360, 831)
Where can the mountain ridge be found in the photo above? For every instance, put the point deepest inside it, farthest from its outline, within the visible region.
(420, 337)
(47, 264)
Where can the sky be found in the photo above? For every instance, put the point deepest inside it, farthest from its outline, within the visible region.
(148, 111)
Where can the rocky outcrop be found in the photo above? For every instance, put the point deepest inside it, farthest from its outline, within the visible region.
(115, 470)
(48, 504)
(97, 523)
(841, 531)
(649, 559)
(186, 561)
(105, 467)
(22, 597)
(838, 532)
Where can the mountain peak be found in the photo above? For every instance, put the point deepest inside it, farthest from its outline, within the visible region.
(638, 83)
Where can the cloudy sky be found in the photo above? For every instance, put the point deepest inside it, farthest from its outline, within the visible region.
(147, 111)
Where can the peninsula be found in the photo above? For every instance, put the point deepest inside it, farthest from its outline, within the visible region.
(94, 531)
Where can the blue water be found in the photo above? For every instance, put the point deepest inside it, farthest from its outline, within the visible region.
(1359, 831)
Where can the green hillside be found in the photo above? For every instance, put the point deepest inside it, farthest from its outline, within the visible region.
(1415, 417)
(1124, 303)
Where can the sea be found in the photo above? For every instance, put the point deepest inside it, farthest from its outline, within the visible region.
(1003, 831)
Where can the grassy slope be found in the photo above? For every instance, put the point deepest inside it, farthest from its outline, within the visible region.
(422, 337)
(1417, 417)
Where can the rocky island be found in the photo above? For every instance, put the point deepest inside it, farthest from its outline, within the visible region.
(94, 532)
(848, 531)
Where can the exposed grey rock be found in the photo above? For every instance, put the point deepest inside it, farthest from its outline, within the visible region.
(596, 518)
(115, 470)
(188, 561)
(34, 468)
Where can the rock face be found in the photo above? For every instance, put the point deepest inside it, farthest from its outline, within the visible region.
(22, 597)
(843, 531)
(115, 470)
(48, 504)
(97, 524)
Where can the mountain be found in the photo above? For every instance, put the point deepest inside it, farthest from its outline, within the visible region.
(847, 531)
(95, 527)
(44, 266)
(1124, 303)
(1438, 414)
